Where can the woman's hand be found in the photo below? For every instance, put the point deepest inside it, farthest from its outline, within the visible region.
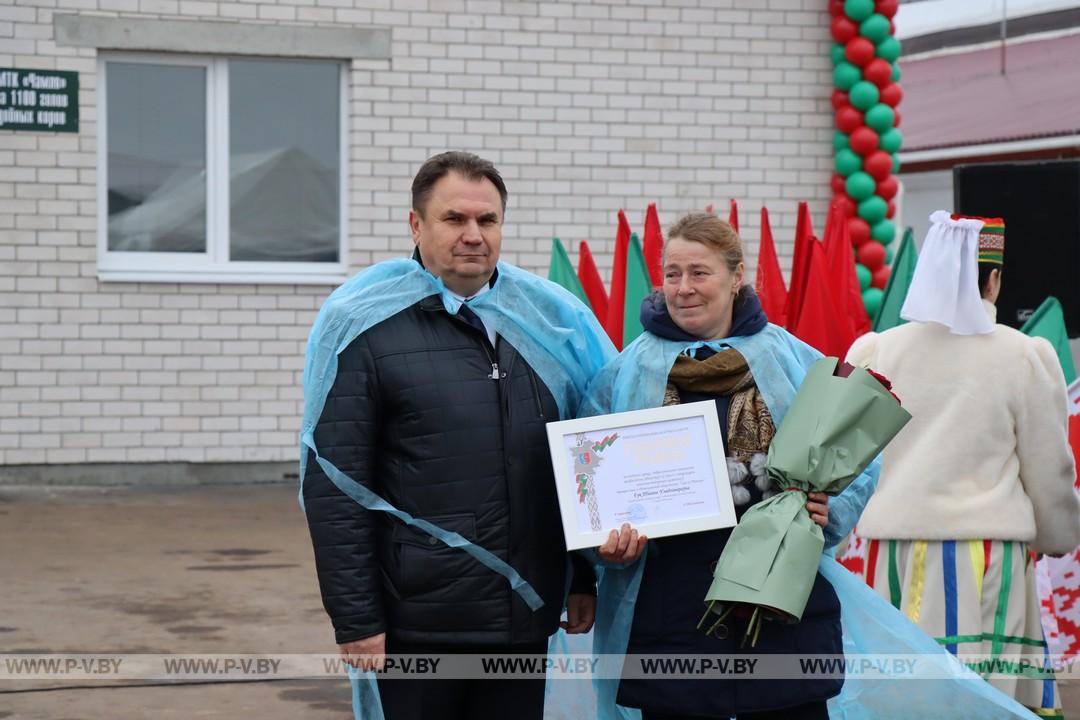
(622, 546)
(580, 613)
(818, 506)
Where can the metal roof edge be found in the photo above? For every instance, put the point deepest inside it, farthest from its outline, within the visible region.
(991, 147)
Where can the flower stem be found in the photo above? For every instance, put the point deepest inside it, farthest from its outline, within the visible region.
(719, 620)
(707, 611)
(752, 627)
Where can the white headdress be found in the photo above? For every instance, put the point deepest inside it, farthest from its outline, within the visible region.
(945, 286)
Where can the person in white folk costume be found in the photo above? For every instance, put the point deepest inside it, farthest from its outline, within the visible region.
(982, 476)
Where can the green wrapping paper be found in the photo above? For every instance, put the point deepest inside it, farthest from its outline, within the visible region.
(834, 428)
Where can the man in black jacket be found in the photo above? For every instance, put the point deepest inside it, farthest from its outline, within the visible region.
(444, 420)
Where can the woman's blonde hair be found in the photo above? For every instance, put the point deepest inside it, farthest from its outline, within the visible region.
(712, 232)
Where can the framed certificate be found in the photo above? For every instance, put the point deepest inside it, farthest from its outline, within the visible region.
(662, 470)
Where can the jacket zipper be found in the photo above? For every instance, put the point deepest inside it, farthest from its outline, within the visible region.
(504, 394)
(495, 372)
(507, 435)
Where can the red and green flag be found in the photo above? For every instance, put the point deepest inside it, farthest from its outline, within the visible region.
(821, 324)
(800, 266)
(845, 283)
(561, 271)
(592, 283)
(653, 246)
(769, 281)
(638, 287)
(617, 298)
(1048, 321)
(903, 269)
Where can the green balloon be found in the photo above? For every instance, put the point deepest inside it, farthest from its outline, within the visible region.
(840, 141)
(888, 49)
(890, 140)
(836, 52)
(859, 185)
(845, 75)
(871, 300)
(895, 70)
(880, 117)
(864, 95)
(883, 231)
(847, 162)
(864, 275)
(875, 28)
(873, 209)
(895, 164)
(858, 10)
(889, 254)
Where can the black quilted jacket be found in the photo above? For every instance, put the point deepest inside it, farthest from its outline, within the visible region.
(415, 415)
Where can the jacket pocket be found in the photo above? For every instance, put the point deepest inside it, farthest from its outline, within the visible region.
(427, 564)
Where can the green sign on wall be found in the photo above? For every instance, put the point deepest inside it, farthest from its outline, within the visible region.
(39, 100)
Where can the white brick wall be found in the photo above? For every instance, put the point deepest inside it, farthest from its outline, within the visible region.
(585, 106)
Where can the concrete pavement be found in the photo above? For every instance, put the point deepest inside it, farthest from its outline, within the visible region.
(196, 569)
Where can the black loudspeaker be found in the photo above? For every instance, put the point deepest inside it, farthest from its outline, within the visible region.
(1040, 203)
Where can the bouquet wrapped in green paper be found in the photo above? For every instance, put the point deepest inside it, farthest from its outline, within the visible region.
(838, 422)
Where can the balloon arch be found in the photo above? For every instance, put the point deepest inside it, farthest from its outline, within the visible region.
(867, 90)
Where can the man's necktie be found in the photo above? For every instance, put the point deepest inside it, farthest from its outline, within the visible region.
(466, 313)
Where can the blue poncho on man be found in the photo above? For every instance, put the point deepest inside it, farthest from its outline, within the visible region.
(433, 415)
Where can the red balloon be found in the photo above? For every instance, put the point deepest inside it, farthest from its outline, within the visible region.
(863, 141)
(848, 119)
(871, 254)
(878, 165)
(891, 94)
(859, 51)
(859, 230)
(839, 99)
(890, 210)
(880, 277)
(845, 204)
(896, 118)
(837, 183)
(883, 7)
(836, 7)
(878, 71)
(843, 29)
(887, 187)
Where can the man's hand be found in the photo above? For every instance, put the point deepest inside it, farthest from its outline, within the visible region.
(580, 613)
(623, 545)
(818, 505)
(366, 654)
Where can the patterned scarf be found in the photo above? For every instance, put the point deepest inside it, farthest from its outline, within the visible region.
(750, 426)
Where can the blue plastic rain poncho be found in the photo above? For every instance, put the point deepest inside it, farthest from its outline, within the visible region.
(778, 361)
(556, 334)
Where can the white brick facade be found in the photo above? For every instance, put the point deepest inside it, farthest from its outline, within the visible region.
(585, 106)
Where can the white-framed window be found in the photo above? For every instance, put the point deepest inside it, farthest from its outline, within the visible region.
(221, 169)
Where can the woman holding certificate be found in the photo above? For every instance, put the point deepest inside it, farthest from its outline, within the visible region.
(707, 338)
(792, 423)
